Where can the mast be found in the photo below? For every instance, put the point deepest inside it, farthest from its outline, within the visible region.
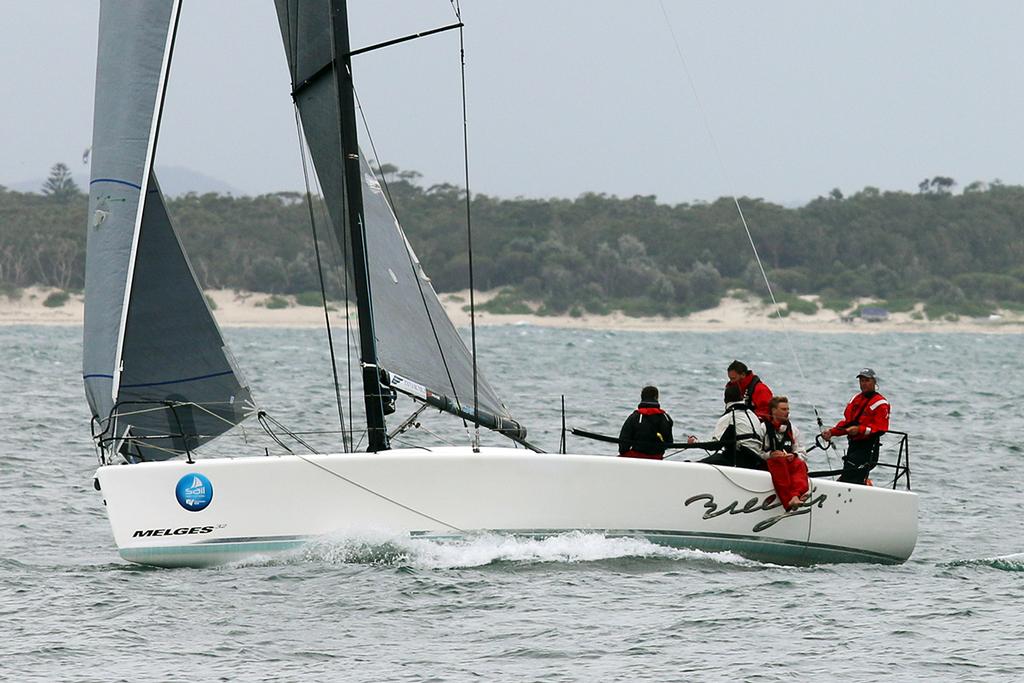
(376, 428)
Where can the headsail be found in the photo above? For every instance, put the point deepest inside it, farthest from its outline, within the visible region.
(153, 357)
(417, 344)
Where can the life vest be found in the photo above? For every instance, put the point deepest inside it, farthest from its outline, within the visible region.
(748, 393)
(755, 394)
(775, 442)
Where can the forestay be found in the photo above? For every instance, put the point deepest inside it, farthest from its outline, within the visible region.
(154, 360)
(417, 344)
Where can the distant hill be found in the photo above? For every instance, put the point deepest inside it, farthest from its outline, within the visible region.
(174, 181)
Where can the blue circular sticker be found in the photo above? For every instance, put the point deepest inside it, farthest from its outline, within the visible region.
(194, 492)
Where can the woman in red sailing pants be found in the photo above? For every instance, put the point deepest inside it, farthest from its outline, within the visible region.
(784, 455)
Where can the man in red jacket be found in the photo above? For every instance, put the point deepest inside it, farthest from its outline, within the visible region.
(865, 420)
(756, 393)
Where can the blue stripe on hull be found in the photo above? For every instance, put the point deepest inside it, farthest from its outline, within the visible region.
(207, 554)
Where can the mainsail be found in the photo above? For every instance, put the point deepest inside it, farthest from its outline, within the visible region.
(417, 345)
(154, 361)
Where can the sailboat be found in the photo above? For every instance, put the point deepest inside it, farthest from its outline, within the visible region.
(161, 382)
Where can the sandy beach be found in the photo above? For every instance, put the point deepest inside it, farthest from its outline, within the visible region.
(249, 309)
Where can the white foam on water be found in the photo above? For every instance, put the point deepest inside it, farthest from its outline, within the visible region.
(380, 548)
(1013, 562)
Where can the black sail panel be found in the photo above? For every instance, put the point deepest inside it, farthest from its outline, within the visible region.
(179, 386)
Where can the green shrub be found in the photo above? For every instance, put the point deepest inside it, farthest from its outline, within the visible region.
(210, 302)
(505, 302)
(798, 305)
(990, 286)
(12, 292)
(836, 303)
(276, 302)
(953, 311)
(309, 299)
(790, 303)
(56, 299)
(792, 280)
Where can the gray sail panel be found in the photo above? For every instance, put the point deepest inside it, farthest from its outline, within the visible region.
(133, 40)
(178, 377)
(306, 30)
(416, 338)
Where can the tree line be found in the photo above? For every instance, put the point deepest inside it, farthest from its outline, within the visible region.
(960, 252)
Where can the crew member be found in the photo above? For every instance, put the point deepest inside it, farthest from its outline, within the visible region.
(740, 432)
(866, 419)
(647, 430)
(784, 455)
(756, 394)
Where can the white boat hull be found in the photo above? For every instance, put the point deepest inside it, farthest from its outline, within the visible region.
(262, 505)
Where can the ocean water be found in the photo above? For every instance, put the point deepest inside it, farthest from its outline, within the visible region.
(572, 608)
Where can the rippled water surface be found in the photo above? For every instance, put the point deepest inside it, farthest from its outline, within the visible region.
(575, 607)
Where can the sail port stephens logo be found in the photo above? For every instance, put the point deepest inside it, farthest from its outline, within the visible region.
(194, 492)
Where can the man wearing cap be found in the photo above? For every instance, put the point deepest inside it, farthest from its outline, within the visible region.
(865, 420)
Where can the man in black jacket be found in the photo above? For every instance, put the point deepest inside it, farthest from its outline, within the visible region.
(647, 430)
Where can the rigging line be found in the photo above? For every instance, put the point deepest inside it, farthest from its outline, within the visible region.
(344, 269)
(438, 436)
(293, 44)
(735, 198)
(320, 274)
(380, 495)
(718, 468)
(469, 228)
(163, 407)
(289, 432)
(408, 253)
(346, 443)
(367, 305)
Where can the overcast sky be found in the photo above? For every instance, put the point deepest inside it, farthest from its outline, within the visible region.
(569, 96)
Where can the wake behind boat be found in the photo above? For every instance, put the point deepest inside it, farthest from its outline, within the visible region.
(161, 382)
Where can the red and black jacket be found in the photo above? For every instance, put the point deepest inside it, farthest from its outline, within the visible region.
(869, 410)
(756, 394)
(643, 430)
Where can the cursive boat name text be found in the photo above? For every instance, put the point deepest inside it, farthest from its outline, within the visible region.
(769, 502)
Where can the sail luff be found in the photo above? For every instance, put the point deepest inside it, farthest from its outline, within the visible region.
(147, 169)
(131, 51)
